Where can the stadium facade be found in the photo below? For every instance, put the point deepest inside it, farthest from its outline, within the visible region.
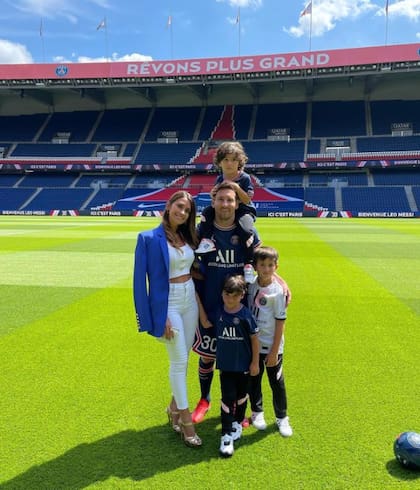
(328, 133)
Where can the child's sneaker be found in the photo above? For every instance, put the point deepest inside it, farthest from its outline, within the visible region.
(236, 431)
(226, 446)
(284, 427)
(258, 420)
(249, 274)
(206, 245)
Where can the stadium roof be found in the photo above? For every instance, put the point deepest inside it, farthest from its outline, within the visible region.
(374, 73)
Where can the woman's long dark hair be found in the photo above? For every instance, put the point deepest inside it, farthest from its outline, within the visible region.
(188, 229)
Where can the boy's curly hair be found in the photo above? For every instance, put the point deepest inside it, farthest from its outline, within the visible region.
(228, 148)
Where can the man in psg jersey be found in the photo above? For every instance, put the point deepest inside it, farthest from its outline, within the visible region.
(227, 259)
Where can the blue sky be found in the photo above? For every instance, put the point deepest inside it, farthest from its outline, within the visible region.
(138, 29)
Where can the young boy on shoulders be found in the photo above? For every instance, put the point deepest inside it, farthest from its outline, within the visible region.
(267, 302)
(230, 159)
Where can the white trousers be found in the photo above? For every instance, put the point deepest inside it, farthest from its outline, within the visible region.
(183, 315)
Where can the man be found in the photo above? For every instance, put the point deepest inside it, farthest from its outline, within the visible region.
(226, 259)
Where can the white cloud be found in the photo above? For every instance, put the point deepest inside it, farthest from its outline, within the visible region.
(100, 59)
(327, 13)
(72, 10)
(14, 53)
(405, 8)
(242, 3)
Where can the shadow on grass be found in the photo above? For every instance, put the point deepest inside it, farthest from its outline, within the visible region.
(400, 473)
(130, 454)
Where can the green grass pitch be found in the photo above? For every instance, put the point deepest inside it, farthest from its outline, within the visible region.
(83, 395)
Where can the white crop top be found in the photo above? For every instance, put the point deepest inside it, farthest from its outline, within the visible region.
(180, 260)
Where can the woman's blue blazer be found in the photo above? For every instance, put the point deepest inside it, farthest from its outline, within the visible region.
(151, 281)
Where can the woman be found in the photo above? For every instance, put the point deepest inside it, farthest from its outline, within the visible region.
(165, 299)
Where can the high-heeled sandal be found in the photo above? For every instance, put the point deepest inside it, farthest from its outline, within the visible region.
(190, 441)
(171, 419)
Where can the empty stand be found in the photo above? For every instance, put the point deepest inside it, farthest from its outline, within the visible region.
(320, 198)
(274, 151)
(54, 150)
(14, 199)
(121, 125)
(340, 118)
(183, 120)
(47, 180)
(59, 199)
(78, 124)
(21, 128)
(274, 116)
(166, 153)
(375, 199)
(386, 113)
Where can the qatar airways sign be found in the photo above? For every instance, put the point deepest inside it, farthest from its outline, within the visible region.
(227, 65)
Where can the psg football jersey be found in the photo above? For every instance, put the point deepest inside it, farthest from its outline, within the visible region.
(228, 259)
(234, 330)
(267, 304)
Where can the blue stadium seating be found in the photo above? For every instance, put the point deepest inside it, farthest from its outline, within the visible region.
(59, 199)
(210, 120)
(416, 194)
(54, 150)
(181, 119)
(288, 115)
(48, 180)
(346, 178)
(9, 180)
(166, 153)
(106, 180)
(242, 119)
(129, 149)
(121, 125)
(385, 113)
(21, 128)
(320, 197)
(339, 118)
(155, 181)
(105, 197)
(14, 199)
(375, 199)
(389, 143)
(78, 123)
(274, 151)
(396, 177)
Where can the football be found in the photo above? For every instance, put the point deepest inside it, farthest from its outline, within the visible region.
(407, 449)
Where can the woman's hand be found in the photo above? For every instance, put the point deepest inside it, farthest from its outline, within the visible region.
(168, 333)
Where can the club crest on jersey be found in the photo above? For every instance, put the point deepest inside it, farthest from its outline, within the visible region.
(234, 240)
(263, 300)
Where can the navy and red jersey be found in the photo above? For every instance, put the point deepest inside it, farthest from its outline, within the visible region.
(233, 333)
(228, 259)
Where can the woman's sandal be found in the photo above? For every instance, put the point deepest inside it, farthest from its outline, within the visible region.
(190, 441)
(173, 419)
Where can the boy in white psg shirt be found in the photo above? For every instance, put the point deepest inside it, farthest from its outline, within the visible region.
(267, 303)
